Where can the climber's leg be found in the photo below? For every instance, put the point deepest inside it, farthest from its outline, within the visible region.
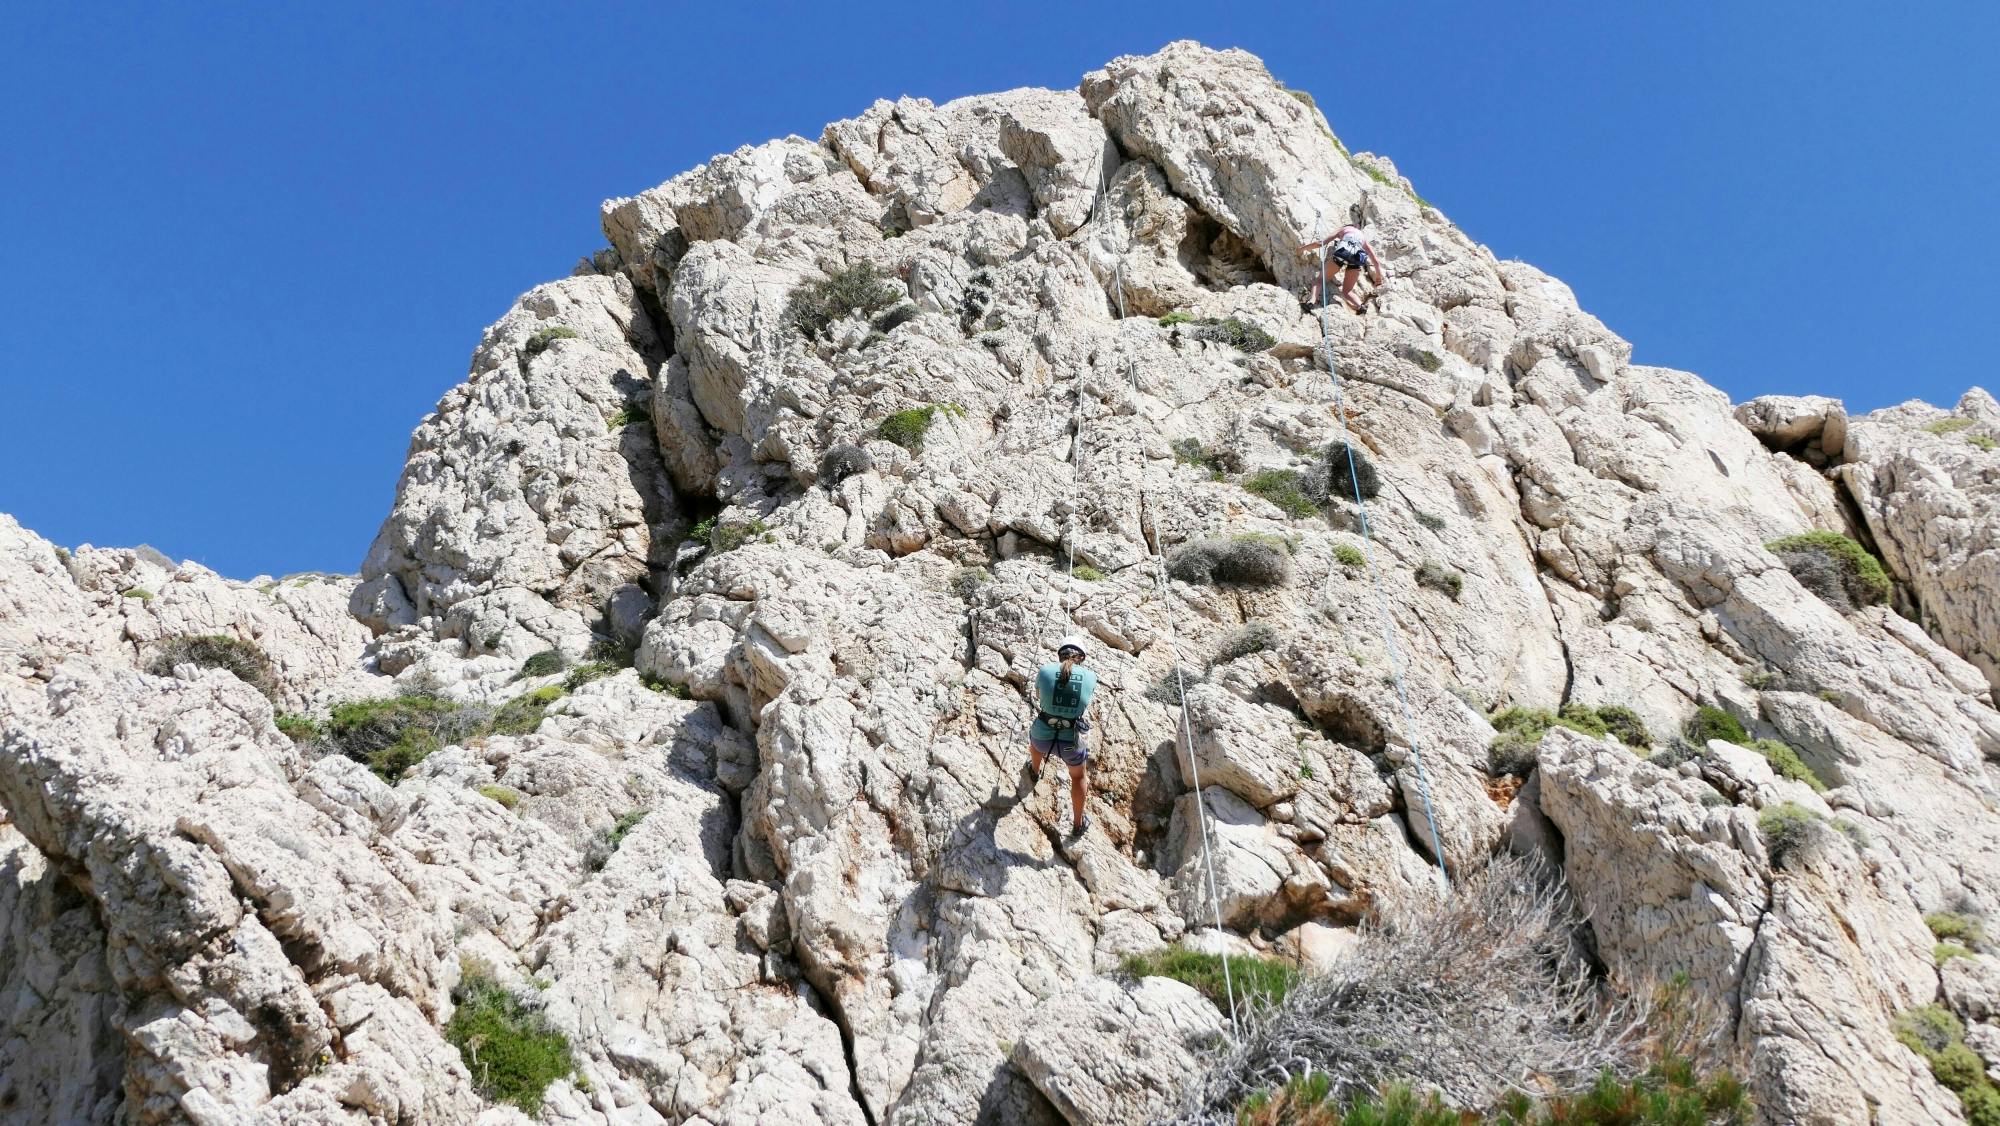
(1079, 792)
(1347, 279)
(1037, 748)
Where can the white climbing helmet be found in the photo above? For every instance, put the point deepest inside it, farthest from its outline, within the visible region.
(1072, 642)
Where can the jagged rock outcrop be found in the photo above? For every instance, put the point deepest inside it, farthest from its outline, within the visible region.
(790, 867)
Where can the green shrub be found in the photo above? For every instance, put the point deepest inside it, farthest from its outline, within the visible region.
(1347, 555)
(525, 712)
(1945, 951)
(1714, 723)
(1624, 725)
(239, 658)
(585, 673)
(702, 531)
(894, 318)
(1787, 827)
(725, 538)
(540, 341)
(627, 415)
(1259, 982)
(1932, 1032)
(1281, 487)
(502, 794)
(1441, 578)
(1957, 926)
(509, 1047)
(1950, 425)
(814, 306)
(1342, 472)
(1983, 442)
(1177, 317)
(545, 663)
(656, 684)
(1424, 359)
(607, 842)
(968, 580)
(1235, 333)
(1860, 575)
(1521, 729)
(1853, 832)
(298, 728)
(392, 735)
(1787, 763)
(1190, 451)
(1241, 561)
(1253, 638)
(138, 592)
(907, 428)
(1583, 720)
(1089, 574)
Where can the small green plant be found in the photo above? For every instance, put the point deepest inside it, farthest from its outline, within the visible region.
(1342, 473)
(1259, 982)
(1945, 951)
(1787, 827)
(511, 1049)
(525, 712)
(1347, 555)
(545, 663)
(585, 673)
(392, 735)
(1950, 425)
(815, 306)
(1957, 926)
(298, 728)
(1809, 556)
(1177, 317)
(1191, 451)
(239, 658)
(1853, 832)
(627, 415)
(1621, 722)
(1440, 578)
(843, 461)
(702, 532)
(1983, 442)
(968, 580)
(138, 592)
(1714, 723)
(1237, 334)
(607, 842)
(540, 341)
(1521, 729)
(1434, 523)
(1305, 768)
(1090, 574)
(1759, 679)
(725, 538)
(907, 428)
(502, 794)
(1281, 487)
(624, 826)
(1933, 1033)
(1787, 764)
(656, 684)
(1426, 359)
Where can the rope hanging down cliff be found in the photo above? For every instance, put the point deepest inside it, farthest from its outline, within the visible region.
(1368, 556)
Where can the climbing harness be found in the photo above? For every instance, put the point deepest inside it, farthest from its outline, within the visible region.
(1381, 596)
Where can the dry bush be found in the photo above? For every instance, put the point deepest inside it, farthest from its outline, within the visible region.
(241, 659)
(843, 461)
(1478, 994)
(1256, 561)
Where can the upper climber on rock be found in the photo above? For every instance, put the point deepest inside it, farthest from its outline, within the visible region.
(1348, 249)
(1063, 691)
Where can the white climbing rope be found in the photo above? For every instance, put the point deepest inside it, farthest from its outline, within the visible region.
(1368, 557)
(1184, 731)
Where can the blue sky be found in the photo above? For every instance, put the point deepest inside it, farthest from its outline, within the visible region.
(243, 250)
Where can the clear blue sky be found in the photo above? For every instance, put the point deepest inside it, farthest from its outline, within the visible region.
(242, 252)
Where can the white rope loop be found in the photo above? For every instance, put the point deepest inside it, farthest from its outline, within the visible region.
(1375, 575)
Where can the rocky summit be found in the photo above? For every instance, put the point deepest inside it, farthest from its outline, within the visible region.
(666, 760)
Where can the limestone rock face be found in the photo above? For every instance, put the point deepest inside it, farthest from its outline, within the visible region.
(790, 866)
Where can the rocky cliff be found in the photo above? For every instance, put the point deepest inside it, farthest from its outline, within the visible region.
(734, 554)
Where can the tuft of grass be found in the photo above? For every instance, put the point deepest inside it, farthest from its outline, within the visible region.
(1787, 763)
(1950, 425)
(1670, 1093)
(656, 684)
(394, 734)
(1786, 827)
(1714, 723)
(140, 593)
(585, 673)
(1090, 574)
(1281, 487)
(509, 1046)
(907, 428)
(525, 712)
(1861, 576)
(298, 728)
(1237, 334)
(1945, 951)
(1439, 577)
(607, 842)
(1256, 637)
(545, 663)
(815, 306)
(895, 317)
(239, 658)
(968, 580)
(728, 537)
(627, 415)
(1935, 1034)
(542, 338)
(502, 794)
(1425, 359)
(1177, 317)
(1259, 982)
(1191, 451)
(1348, 555)
(1957, 926)
(1521, 729)
(1983, 442)
(1343, 472)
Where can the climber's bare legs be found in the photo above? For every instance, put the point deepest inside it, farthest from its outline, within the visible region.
(1035, 760)
(1079, 792)
(1348, 278)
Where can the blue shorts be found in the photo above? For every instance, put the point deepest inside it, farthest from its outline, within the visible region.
(1361, 261)
(1071, 751)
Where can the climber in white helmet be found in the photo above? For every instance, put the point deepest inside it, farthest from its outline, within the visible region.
(1349, 250)
(1063, 689)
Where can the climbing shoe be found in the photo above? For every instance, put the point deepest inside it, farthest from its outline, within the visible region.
(1080, 828)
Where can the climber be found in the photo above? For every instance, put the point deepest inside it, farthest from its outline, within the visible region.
(1062, 694)
(1347, 247)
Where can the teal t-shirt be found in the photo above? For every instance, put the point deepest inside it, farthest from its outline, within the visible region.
(1066, 700)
